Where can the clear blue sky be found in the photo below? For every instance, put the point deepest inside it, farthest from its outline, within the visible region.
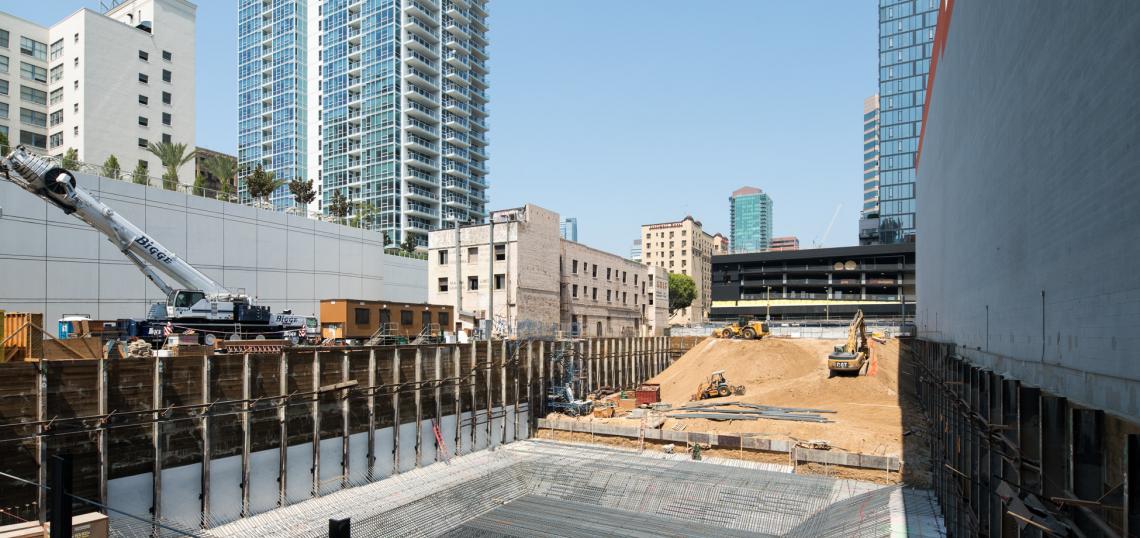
(627, 112)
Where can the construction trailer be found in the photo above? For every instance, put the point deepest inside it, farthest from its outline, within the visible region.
(361, 320)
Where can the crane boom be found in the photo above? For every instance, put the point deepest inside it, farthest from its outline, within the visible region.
(57, 186)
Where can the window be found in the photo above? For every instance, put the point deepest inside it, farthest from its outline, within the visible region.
(143, 121)
(33, 48)
(574, 266)
(57, 73)
(405, 317)
(574, 291)
(4, 111)
(624, 274)
(595, 297)
(75, 62)
(166, 55)
(166, 138)
(144, 55)
(3, 87)
(608, 273)
(142, 143)
(608, 295)
(500, 281)
(3, 64)
(75, 108)
(472, 254)
(143, 99)
(33, 139)
(76, 85)
(75, 130)
(143, 78)
(443, 257)
(362, 316)
(33, 72)
(57, 50)
(443, 284)
(444, 320)
(166, 75)
(472, 283)
(32, 117)
(77, 37)
(56, 118)
(425, 318)
(166, 98)
(500, 253)
(166, 118)
(595, 270)
(4, 38)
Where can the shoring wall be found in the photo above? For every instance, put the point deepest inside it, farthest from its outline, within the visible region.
(198, 441)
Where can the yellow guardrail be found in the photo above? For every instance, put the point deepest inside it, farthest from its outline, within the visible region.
(799, 302)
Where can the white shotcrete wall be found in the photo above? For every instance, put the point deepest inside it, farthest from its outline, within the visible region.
(55, 264)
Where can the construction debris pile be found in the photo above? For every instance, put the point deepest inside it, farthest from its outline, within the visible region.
(748, 411)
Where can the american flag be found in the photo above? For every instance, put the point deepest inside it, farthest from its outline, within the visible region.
(169, 328)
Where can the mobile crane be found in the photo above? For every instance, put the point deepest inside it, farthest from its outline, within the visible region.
(198, 303)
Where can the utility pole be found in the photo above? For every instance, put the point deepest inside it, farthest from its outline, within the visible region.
(768, 299)
(490, 276)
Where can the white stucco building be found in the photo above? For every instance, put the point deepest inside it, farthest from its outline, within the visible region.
(102, 83)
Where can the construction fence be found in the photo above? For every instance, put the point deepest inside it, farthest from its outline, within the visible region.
(193, 442)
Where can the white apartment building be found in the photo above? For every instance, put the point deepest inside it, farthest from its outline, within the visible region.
(530, 281)
(102, 83)
(684, 248)
(382, 102)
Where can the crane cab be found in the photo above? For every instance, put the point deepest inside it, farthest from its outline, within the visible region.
(193, 304)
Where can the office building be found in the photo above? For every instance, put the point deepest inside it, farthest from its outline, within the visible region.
(383, 102)
(529, 288)
(785, 243)
(102, 83)
(635, 250)
(823, 283)
(750, 218)
(719, 244)
(568, 228)
(906, 35)
(869, 215)
(682, 247)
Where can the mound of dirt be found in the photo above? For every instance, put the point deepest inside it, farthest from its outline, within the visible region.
(793, 373)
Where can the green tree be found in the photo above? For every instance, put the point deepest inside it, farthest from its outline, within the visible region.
(261, 184)
(682, 291)
(4, 147)
(172, 156)
(111, 168)
(338, 206)
(302, 192)
(199, 184)
(409, 245)
(70, 159)
(225, 170)
(139, 176)
(362, 213)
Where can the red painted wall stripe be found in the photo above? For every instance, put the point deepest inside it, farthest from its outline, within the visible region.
(943, 29)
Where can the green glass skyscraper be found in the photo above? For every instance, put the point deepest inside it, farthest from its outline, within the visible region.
(750, 220)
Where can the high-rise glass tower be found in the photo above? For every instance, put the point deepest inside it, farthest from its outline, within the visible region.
(869, 216)
(272, 100)
(396, 120)
(906, 37)
(750, 220)
(568, 228)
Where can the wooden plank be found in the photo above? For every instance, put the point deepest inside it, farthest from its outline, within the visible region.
(156, 443)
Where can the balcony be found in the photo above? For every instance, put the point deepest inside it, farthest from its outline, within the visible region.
(454, 200)
(421, 45)
(421, 28)
(423, 160)
(420, 111)
(455, 90)
(452, 136)
(421, 210)
(455, 169)
(455, 58)
(455, 106)
(412, 91)
(454, 74)
(454, 122)
(454, 153)
(421, 177)
(423, 129)
(419, 9)
(456, 44)
(421, 78)
(454, 184)
(415, 192)
(451, 9)
(419, 143)
(415, 59)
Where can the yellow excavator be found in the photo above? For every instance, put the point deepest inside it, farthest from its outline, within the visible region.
(850, 357)
(742, 328)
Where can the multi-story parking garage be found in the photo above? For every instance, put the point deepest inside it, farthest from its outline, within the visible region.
(815, 284)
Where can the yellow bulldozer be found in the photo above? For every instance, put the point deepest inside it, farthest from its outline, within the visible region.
(743, 328)
(716, 386)
(850, 357)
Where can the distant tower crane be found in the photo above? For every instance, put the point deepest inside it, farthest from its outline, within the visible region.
(818, 243)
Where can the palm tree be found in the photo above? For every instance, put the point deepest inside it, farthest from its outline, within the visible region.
(225, 169)
(172, 156)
